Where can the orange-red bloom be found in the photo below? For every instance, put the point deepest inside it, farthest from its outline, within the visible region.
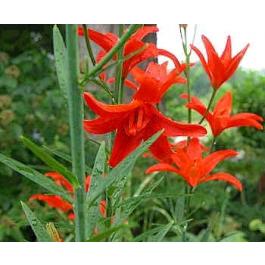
(219, 68)
(221, 118)
(196, 169)
(140, 119)
(58, 202)
(146, 50)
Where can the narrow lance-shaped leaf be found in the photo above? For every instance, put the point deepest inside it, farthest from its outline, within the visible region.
(98, 168)
(35, 176)
(64, 156)
(123, 168)
(106, 233)
(162, 233)
(36, 225)
(60, 59)
(144, 236)
(50, 161)
(132, 203)
(96, 178)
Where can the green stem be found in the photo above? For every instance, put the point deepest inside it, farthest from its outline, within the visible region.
(76, 115)
(209, 106)
(114, 50)
(119, 68)
(109, 66)
(88, 44)
(212, 144)
(101, 84)
(188, 190)
(187, 70)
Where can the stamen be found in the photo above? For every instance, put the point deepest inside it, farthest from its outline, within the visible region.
(140, 117)
(131, 126)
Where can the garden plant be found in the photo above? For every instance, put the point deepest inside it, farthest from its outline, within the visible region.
(117, 101)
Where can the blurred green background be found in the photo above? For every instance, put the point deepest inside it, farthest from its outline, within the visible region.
(31, 104)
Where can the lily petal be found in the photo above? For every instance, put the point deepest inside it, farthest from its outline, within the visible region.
(53, 201)
(224, 177)
(202, 59)
(224, 105)
(123, 146)
(173, 128)
(144, 31)
(198, 106)
(106, 41)
(107, 110)
(211, 161)
(245, 119)
(227, 53)
(195, 149)
(102, 125)
(60, 180)
(235, 62)
(161, 167)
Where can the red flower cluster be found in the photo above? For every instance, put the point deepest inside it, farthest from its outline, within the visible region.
(58, 202)
(139, 119)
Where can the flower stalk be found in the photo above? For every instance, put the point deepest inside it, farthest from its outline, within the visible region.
(88, 45)
(187, 62)
(76, 116)
(119, 79)
(209, 106)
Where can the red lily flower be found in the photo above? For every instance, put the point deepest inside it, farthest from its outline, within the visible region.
(58, 202)
(146, 50)
(190, 164)
(221, 118)
(140, 119)
(219, 68)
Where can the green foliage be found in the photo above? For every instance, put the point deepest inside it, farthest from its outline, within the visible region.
(60, 59)
(36, 225)
(93, 213)
(30, 104)
(34, 176)
(249, 96)
(50, 161)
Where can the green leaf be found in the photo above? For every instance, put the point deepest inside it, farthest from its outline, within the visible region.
(131, 204)
(206, 234)
(144, 236)
(98, 168)
(60, 59)
(144, 183)
(236, 236)
(106, 233)
(39, 230)
(123, 169)
(64, 156)
(156, 234)
(50, 161)
(162, 233)
(96, 178)
(35, 176)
